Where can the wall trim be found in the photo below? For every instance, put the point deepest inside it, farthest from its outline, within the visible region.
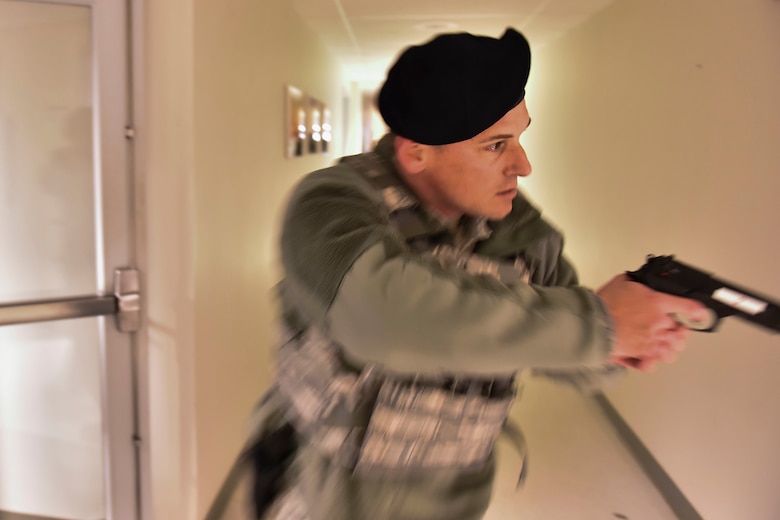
(8, 515)
(672, 494)
(240, 471)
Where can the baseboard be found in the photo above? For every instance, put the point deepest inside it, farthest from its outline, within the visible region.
(660, 479)
(230, 486)
(8, 515)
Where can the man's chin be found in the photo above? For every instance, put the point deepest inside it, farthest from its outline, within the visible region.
(497, 213)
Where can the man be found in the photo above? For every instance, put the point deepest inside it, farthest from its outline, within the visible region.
(418, 283)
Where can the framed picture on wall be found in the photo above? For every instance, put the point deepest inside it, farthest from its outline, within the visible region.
(296, 129)
(327, 129)
(316, 118)
(308, 128)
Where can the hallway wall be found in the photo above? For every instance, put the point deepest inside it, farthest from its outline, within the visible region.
(213, 181)
(655, 130)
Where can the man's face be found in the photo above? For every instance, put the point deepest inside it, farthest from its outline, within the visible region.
(478, 177)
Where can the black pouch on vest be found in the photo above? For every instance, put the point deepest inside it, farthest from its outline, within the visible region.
(269, 459)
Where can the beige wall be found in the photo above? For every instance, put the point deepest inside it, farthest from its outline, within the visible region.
(656, 130)
(213, 179)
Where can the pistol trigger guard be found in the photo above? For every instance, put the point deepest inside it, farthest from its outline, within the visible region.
(707, 325)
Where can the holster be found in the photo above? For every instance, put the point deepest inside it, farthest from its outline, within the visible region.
(269, 458)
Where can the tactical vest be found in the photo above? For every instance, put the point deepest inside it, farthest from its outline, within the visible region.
(374, 422)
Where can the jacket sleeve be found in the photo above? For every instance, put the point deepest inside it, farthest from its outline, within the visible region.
(350, 272)
(551, 267)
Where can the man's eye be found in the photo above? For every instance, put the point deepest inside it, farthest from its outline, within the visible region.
(495, 147)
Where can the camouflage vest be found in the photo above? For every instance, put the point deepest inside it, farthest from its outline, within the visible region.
(375, 422)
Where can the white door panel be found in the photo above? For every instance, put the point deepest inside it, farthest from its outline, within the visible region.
(67, 393)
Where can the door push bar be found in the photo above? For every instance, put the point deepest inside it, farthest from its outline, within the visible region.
(125, 304)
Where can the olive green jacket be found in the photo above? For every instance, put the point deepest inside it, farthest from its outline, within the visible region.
(350, 272)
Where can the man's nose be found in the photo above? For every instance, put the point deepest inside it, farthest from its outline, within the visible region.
(521, 165)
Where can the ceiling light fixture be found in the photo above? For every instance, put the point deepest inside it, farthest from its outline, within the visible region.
(436, 26)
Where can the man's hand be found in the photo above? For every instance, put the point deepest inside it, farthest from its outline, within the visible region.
(645, 330)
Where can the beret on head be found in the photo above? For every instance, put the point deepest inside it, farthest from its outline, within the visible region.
(454, 86)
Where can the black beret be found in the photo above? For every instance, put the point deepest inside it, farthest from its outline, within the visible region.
(454, 86)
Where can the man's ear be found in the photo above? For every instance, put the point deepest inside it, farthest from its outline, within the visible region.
(411, 155)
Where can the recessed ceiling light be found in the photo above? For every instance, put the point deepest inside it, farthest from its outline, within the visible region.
(436, 26)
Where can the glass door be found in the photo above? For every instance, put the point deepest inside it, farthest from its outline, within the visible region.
(68, 294)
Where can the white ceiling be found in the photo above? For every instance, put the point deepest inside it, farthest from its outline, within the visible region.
(366, 35)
